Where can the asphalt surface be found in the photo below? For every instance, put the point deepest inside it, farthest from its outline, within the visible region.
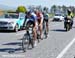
(52, 47)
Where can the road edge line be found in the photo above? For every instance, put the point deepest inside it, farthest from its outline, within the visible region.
(65, 49)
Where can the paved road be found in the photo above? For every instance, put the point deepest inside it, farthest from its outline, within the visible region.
(52, 47)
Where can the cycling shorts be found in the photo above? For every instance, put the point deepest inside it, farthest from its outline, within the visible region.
(46, 20)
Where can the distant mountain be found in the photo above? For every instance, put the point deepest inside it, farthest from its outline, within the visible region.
(5, 7)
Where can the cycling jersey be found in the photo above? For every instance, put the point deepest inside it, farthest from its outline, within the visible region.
(46, 16)
(39, 16)
(70, 15)
(32, 18)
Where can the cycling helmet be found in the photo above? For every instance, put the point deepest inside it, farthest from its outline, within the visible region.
(68, 11)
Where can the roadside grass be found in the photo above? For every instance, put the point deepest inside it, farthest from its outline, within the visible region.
(74, 14)
(51, 15)
(1, 13)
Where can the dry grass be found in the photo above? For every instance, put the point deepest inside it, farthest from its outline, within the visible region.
(1, 12)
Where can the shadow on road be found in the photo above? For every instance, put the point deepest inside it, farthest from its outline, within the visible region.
(13, 43)
(6, 31)
(10, 50)
(59, 30)
(9, 31)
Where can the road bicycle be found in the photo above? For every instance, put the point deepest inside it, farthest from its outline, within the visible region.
(28, 38)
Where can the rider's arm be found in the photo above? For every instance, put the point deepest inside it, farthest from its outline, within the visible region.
(72, 15)
(25, 21)
(35, 21)
(35, 18)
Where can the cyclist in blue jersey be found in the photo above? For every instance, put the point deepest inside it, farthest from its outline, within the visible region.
(32, 19)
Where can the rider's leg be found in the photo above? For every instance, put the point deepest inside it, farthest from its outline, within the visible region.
(71, 23)
(47, 26)
(43, 25)
(35, 35)
(41, 29)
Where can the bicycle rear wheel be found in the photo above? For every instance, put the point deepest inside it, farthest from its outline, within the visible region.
(45, 34)
(45, 30)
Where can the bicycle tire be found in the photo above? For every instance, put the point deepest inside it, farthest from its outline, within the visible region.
(25, 42)
(45, 30)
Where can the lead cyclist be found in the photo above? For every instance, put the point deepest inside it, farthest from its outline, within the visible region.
(31, 18)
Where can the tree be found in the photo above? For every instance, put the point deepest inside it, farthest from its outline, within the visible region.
(53, 8)
(64, 9)
(59, 8)
(45, 9)
(74, 10)
(39, 8)
(21, 9)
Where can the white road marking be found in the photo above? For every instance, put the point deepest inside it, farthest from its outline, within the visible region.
(66, 49)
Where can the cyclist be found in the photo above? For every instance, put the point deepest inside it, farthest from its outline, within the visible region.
(31, 18)
(46, 18)
(70, 16)
(40, 21)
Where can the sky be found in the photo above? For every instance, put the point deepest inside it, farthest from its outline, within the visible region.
(48, 3)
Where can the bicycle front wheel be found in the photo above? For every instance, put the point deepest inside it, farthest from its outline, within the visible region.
(25, 42)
